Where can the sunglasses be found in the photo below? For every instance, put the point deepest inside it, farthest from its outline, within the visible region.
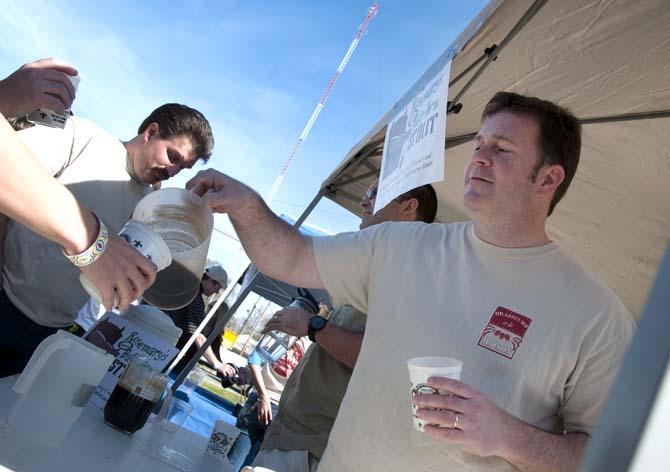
(371, 194)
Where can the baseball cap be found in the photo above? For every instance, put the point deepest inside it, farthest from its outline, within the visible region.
(217, 273)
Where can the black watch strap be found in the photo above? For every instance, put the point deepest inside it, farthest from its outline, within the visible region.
(316, 324)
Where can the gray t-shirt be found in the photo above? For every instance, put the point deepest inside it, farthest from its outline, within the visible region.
(38, 279)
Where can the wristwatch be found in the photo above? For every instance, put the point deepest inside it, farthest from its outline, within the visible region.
(316, 324)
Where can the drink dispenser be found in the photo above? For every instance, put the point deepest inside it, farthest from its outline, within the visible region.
(185, 223)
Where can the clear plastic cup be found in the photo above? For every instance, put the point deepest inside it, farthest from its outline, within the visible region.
(273, 345)
(192, 381)
(185, 223)
(177, 412)
(421, 369)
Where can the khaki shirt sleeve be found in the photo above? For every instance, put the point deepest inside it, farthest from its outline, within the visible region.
(588, 387)
(52, 147)
(344, 261)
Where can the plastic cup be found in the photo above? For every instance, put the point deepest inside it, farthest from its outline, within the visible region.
(222, 439)
(146, 241)
(192, 381)
(273, 345)
(422, 368)
(185, 223)
(48, 117)
(177, 412)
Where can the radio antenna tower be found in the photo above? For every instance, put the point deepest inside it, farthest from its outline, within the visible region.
(372, 11)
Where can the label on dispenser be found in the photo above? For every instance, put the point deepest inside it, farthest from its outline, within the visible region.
(123, 338)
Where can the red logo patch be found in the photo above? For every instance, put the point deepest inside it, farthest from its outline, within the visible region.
(504, 332)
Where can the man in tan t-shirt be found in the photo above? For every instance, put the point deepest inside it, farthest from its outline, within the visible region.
(311, 398)
(539, 336)
(41, 289)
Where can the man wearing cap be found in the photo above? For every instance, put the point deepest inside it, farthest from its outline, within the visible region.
(189, 318)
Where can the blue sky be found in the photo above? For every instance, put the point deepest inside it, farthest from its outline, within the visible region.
(255, 69)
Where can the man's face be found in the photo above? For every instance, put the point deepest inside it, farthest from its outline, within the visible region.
(390, 212)
(210, 287)
(499, 177)
(159, 159)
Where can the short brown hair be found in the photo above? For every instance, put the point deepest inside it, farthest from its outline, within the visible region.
(176, 120)
(559, 140)
(427, 199)
(20, 123)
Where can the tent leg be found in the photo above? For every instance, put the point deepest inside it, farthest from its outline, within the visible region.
(315, 201)
(220, 324)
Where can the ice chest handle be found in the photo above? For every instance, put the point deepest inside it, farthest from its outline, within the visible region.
(39, 358)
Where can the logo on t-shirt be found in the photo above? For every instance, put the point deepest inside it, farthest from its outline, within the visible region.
(504, 332)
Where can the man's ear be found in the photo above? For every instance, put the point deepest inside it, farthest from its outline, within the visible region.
(151, 131)
(550, 178)
(409, 207)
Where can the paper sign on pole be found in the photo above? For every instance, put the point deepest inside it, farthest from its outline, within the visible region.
(123, 338)
(414, 145)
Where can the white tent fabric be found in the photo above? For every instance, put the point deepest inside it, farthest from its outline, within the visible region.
(609, 62)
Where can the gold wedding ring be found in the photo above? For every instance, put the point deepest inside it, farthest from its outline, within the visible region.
(455, 421)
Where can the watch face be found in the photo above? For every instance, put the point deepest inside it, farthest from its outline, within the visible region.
(317, 322)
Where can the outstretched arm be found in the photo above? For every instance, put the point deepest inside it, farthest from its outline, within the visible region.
(210, 356)
(276, 248)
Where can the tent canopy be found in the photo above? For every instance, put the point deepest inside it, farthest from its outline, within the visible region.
(279, 292)
(609, 63)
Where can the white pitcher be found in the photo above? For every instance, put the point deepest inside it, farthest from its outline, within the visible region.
(185, 223)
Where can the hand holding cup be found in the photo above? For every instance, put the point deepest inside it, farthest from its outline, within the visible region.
(45, 83)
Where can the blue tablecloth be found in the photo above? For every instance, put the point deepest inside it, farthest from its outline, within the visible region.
(207, 408)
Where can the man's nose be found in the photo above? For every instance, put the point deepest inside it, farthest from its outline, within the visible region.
(482, 157)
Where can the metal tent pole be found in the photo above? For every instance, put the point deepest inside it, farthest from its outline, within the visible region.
(530, 13)
(634, 399)
(221, 322)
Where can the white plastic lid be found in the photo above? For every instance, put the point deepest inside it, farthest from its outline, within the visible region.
(155, 320)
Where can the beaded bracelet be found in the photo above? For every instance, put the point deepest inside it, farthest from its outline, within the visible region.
(91, 254)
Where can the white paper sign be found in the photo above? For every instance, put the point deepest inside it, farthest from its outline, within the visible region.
(414, 144)
(122, 338)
